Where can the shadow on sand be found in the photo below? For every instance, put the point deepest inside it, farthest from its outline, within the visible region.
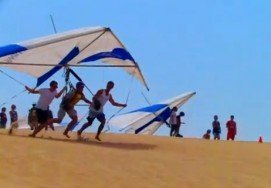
(93, 142)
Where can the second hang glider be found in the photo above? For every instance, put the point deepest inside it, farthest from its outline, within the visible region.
(148, 120)
(44, 56)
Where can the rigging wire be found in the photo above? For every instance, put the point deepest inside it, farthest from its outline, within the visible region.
(146, 98)
(122, 129)
(53, 23)
(17, 81)
(78, 122)
(80, 79)
(13, 97)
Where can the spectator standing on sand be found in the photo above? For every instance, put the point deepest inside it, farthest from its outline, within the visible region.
(3, 118)
(13, 118)
(173, 121)
(216, 128)
(178, 125)
(232, 128)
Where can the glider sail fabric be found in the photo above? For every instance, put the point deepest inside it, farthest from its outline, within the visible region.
(147, 120)
(43, 57)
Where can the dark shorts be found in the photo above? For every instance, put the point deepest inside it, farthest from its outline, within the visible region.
(174, 126)
(100, 117)
(2, 125)
(42, 115)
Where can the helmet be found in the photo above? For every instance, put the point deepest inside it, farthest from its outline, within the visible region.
(79, 84)
(208, 131)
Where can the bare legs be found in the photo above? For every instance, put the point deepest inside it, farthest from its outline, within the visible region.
(89, 123)
(100, 128)
(70, 125)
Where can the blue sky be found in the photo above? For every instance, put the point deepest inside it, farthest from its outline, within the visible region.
(220, 49)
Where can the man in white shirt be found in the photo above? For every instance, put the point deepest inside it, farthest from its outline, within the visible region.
(46, 97)
(96, 109)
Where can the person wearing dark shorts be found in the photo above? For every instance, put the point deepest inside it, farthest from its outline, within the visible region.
(42, 116)
(3, 118)
(216, 128)
(49, 116)
(13, 118)
(46, 97)
(96, 109)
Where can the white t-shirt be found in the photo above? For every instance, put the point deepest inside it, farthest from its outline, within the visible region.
(45, 99)
(173, 118)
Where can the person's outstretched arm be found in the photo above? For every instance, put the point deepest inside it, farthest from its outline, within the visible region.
(31, 90)
(86, 100)
(61, 92)
(111, 100)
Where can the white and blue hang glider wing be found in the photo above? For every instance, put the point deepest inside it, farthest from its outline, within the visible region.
(43, 57)
(147, 120)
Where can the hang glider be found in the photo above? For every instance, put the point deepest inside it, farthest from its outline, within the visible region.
(44, 56)
(147, 120)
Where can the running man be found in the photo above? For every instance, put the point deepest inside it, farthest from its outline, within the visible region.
(46, 97)
(96, 109)
(232, 130)
(67, 106)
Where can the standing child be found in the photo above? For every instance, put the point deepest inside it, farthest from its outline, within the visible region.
(13, 118)
(232, 130)
(207, 135)
(216, 128)
(3, 118)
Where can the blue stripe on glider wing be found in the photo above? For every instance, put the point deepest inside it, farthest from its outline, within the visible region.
(162, 117)
(11, 49)
(118, 53)
(154, 108)
(73, 53)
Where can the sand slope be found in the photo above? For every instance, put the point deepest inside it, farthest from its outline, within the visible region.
(131, 161)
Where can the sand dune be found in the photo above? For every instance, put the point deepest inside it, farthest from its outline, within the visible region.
(131, 161)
